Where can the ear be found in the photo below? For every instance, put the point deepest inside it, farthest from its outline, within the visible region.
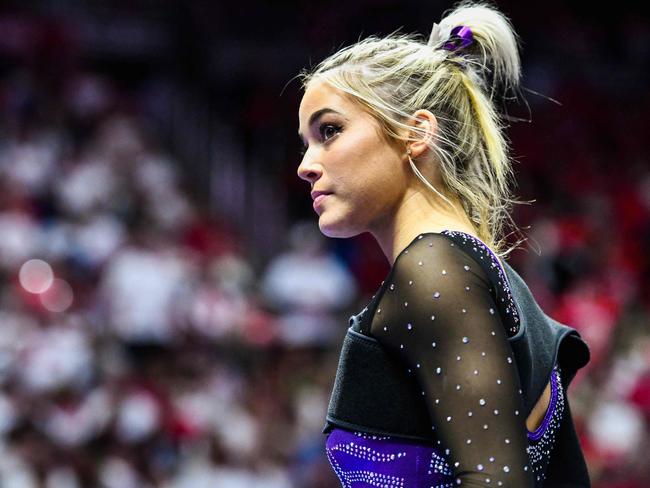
(423, 138)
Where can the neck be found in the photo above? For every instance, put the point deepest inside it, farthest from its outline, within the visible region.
(418, 213)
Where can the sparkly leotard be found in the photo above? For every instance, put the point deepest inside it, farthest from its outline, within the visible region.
(446, 310)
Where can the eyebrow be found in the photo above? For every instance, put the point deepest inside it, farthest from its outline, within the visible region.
(315, 116)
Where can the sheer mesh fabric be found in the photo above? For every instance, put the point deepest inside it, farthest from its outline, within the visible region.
(438, 313)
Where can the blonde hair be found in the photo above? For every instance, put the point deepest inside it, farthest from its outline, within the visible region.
(394, 76)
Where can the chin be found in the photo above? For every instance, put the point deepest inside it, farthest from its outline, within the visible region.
(336, 229)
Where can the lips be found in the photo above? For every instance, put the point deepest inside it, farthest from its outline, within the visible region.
(318, 197)
(315, 194)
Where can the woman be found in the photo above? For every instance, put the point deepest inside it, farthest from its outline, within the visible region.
(452, 374)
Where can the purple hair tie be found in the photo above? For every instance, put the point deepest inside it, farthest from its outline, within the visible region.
(461, 36)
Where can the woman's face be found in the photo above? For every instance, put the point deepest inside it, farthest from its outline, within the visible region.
(346, 156)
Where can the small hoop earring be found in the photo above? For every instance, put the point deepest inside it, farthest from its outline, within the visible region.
(424, 180)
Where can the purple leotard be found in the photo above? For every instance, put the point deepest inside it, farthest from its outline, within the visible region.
(366, 460)
(466, 371)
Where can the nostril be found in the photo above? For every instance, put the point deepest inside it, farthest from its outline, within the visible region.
(309, 176)
(308, 172)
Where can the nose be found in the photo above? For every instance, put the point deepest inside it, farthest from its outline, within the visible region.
(308, 170)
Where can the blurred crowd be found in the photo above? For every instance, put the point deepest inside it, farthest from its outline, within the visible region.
(140, 346)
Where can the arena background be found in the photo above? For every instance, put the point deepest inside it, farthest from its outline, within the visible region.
(170, 315)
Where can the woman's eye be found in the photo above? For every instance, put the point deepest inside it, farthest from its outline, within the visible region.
(329, 129)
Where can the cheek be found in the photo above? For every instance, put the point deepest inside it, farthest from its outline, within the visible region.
(368, 190)
(376, 183)
(365, 153)
(380, 166)
(356, 170)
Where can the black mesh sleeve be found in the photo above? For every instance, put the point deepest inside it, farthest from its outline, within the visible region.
(439, 316)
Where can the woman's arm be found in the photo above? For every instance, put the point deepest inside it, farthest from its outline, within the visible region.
(440, 318)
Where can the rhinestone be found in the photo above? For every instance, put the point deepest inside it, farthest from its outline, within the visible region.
(476, 371)
(379, 310)
(409, 326)
(499, 382)
(466, 268)
(457, 358)
(509, 359)
(507, 441)
(406, 304)
(417, 365)
(464, 311)
(420, 263)
(481, 401)
(436, 294)
(458, 387)
(392, 287)
(438, 370)
(492, 311)
(506, 469)
(496, 412)
(433, 317)
(467, 288)
(485, 426)
(448, 418)
(469, 441)
(433, 344)
(465, 340)
(410, 282)
(469, 414)
(491, 459)
(479, 467)
(401, 346)
(444, 271)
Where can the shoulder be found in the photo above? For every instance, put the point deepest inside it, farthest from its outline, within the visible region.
(435, 258)
(432, 275)
(433, 282)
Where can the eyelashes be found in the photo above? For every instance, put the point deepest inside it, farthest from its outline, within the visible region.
(323, 127)
(323, 131)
